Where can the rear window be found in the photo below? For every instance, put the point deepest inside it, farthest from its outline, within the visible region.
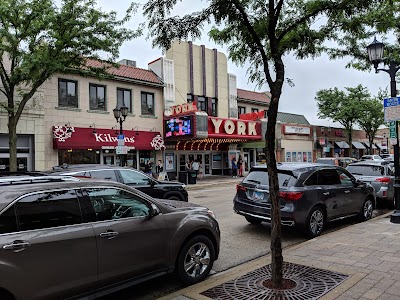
(366, 170)
(259, 177)
(325, 161)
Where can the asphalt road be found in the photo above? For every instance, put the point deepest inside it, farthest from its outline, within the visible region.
(240, 241)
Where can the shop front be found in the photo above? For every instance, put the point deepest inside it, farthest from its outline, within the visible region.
(297, 143)
(25, 152)
(104, 146)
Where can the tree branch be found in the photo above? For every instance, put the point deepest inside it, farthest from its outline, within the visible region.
(4, 77)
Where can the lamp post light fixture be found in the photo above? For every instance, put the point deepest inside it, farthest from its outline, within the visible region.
(375, 53)
(120, 115)
(326, 133)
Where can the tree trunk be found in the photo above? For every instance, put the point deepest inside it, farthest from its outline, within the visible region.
(12, 141)
(370, 139)
(350, 142)
(276, 242)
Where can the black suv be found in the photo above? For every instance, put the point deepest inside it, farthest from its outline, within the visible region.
(134, 178)
(310, 196)
(64, 237)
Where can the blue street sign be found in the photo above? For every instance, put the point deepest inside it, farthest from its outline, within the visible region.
(120, 137)
(391, 109)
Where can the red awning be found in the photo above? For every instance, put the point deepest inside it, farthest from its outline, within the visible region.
(84, 138)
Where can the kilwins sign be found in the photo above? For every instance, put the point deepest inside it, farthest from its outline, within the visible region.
(84, 138)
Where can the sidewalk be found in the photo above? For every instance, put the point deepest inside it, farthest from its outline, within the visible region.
(368, 252)
(209, 181)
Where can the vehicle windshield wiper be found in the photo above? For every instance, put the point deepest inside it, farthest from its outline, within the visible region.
(356, 173)
(255, 181)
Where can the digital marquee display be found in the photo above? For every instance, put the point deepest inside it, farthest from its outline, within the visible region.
(179, 126)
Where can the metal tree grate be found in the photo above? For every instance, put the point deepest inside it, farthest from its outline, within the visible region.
(311, 283)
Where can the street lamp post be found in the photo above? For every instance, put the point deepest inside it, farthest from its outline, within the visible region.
(375, 53)
(120, 115)
(387, 142)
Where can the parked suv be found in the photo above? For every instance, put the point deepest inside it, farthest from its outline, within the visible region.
(137, 179)
(379, 174)
(69, 238)
(337, 161)
(310, 195)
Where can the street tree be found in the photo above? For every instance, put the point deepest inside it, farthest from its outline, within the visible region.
(262, 33)
(40, 39)
(343, 107)
(371, 118)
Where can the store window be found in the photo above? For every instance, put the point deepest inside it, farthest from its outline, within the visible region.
(70, 157)
(131, 159)
(67, 93)
(124, 97)
(145, 156)
(241, 110)
(261, 157)
(214, 107)
(147, 104)
(97, 97)
(202, 104)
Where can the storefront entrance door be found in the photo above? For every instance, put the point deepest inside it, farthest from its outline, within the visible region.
(109, 159)
(23, 163)
(246, 159)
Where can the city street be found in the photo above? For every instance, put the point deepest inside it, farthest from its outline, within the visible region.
(240, 241)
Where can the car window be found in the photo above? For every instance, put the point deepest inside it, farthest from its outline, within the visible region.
(104, 174)
(345, 179)
(133, 177)
(328, 177)
(366, 170)
(312, 179)
(260, 177)
(326, 161)
(50, 209)
(8, 221)
(391, 170)
(113, 204)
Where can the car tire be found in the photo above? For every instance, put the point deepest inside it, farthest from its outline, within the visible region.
(366, 210)
(315, 222)
(253, 220)
(174, 197)
(195, 260)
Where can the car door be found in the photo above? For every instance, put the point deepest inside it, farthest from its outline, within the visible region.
(332, 192)
(141, 182)
(353, 195)
(104, 174)
(130, 242)
(53, 252)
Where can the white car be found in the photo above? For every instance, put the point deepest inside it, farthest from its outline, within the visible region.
(371, 157)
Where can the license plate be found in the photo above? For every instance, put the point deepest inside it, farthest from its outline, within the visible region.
(257, 195)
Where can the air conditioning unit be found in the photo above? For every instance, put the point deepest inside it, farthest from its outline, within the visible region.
(127, 62)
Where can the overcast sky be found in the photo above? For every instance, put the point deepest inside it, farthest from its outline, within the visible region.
(309, 75)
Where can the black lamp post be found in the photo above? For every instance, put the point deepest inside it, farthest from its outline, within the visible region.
(120, 115)
(375, 53)
(326, 133)
(387, 142)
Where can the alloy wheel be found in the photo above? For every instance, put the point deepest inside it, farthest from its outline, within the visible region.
(197, 260)
(368, 209)
(316, 222)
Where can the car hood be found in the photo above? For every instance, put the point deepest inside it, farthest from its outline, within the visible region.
(180, 204)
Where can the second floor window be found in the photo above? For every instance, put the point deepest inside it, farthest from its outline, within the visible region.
(214, 107)
(254, 110)
(147, 104)
(241, 110)
(202, 104)
(189, 98)
(67, 93)
(97, 97)
(124, 97)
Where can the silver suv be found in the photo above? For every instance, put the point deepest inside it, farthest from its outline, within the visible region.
(67, 238)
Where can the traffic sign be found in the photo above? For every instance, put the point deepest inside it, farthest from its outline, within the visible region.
(392, 130)
(121, 149)
(391, 109)
(121, 140)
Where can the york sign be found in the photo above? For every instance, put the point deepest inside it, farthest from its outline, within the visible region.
(232, 127)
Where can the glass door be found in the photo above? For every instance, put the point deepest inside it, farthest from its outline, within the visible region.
(206, 164)
(109, 159)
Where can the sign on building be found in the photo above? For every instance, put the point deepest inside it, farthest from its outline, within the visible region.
(391, 109)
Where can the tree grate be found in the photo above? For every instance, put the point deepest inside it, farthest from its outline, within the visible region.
(311, 283)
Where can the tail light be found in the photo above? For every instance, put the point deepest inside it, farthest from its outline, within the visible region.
(240, 188)
(291, 196)
(383, 179)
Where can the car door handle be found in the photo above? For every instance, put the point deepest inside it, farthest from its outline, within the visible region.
(17, 246)
(109, 234)
(346, 191)
(325, 194)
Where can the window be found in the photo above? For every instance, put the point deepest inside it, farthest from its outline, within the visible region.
(114, 204)
(132, 177)
(214, 107)
(328, 177)
(366, 170)
(67, 93)
(202, 104)
(254, 110)
(97, 97)
(260, 177)
(147, 104)
(189, 98)
(104, 174)
(8, 221)
(312, 180)
(46, 210)
(345, 179)
(124, 97)
(241, 110)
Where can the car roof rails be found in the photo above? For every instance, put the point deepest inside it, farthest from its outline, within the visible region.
(39, 179)
(62, 167)
(18, 173)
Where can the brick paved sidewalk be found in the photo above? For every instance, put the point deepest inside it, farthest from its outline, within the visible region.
(368, 252)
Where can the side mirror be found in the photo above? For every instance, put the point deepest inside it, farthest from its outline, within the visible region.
(154, 210)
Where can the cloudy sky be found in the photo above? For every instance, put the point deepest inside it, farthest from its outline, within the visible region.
(309, 75)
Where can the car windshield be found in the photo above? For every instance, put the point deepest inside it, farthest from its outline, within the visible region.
(260, 177)
(366, 170)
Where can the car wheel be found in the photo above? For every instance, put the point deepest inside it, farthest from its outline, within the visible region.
(195, 260)
(367, 210)
(174, 197)
(253, 220)
(315, 222)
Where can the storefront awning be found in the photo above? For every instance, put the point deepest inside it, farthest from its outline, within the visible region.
(367, 145)
(87, 138)
(342, 145)
(381, 147)
(358, 145)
